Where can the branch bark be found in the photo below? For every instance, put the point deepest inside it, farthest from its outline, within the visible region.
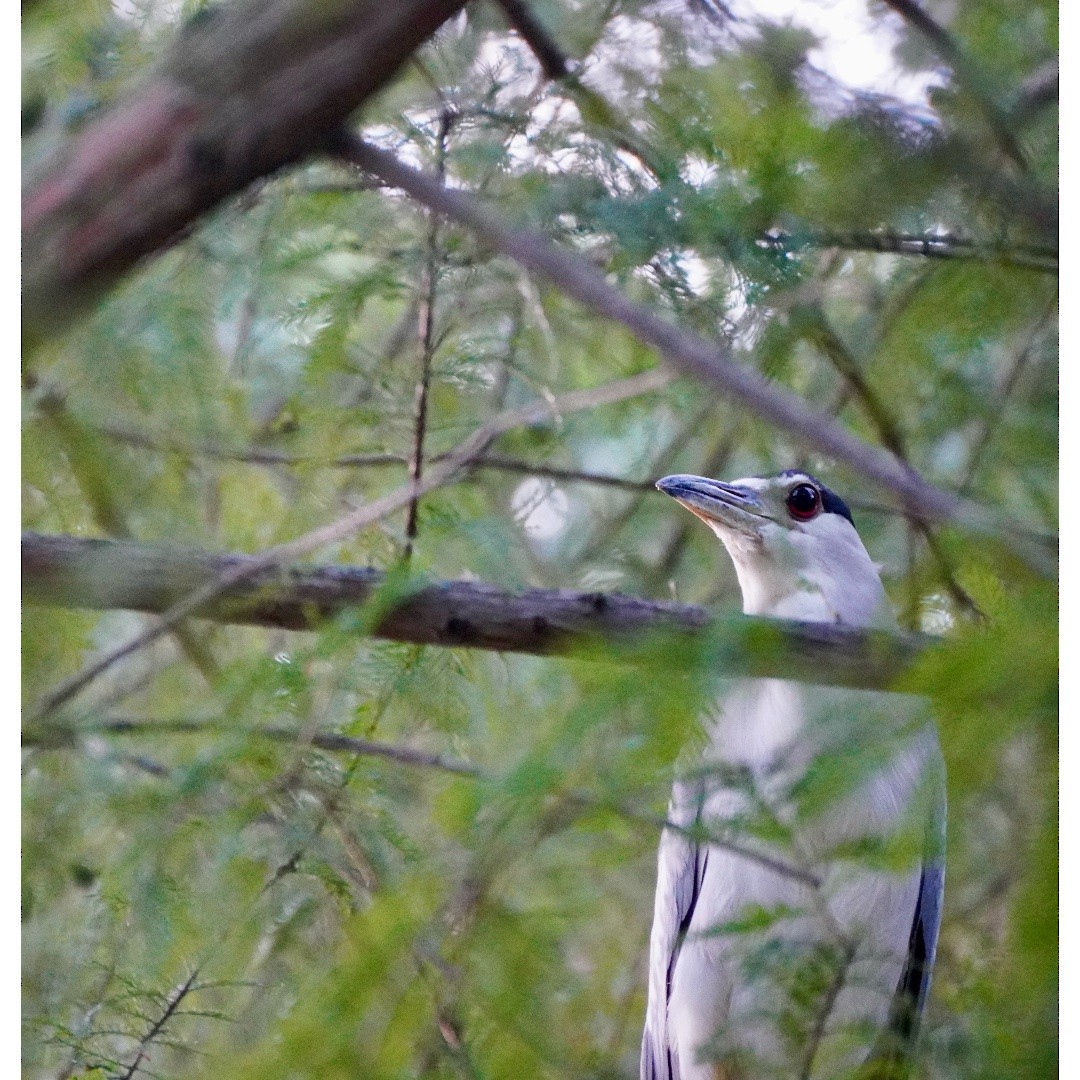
(244, 90)
(75, 572)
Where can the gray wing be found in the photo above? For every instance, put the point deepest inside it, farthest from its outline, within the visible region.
(909, 999)
(680, 869)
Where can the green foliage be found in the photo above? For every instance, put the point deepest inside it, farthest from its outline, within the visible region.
(324, 914)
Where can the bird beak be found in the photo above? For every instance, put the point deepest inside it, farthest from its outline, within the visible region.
(715, 502)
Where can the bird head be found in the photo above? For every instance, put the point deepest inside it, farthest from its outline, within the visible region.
(794, 545)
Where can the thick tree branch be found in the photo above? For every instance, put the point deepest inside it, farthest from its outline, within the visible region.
(245, 89)
(708, 361)
(105, 574)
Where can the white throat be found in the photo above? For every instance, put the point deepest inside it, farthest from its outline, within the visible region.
(826, 576)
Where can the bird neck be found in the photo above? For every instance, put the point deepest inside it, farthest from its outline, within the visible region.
(848, 591)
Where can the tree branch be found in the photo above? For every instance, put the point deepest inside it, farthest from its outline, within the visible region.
(822, 334)
(547, 52)
(1040, 257)
(429, 287)
(948, 48)
(244, 90)
(726, 838)
(998, 410)
(324, 740)
(260, 456)
(75, 572)
(171, 1005)
(1036, 92)
(710, 362)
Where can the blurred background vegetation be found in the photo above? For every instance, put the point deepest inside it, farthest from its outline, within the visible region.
(865, 216)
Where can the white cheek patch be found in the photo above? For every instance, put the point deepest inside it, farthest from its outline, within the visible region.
(754, 483)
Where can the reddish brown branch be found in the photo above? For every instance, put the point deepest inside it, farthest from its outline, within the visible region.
(243, 91)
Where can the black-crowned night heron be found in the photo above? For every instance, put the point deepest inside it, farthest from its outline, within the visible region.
(799, 895)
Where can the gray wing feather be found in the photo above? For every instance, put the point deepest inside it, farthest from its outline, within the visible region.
(911, 992)
(680, 869)
(928, 915)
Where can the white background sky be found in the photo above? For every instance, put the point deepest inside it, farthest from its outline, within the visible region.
(857, 42)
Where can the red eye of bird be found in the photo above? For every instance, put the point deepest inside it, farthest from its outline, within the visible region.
(803, 502)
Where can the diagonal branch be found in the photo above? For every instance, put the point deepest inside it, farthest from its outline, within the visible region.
(519, 15)
(709, 361)
(830, 343)
(998, 410)
(155, 1029)
(245, 89)
(1037, 91)
(948, 48)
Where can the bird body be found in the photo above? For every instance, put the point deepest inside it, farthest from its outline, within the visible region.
(776, 950)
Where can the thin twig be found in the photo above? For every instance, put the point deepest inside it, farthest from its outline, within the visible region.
(364, 516)
(847, 955)
(421, 759)
(249, 308)
(180, 993)
(948, 48)
(594, 108)
(830, 343)
(94, 481)
(1039, 257)
(324, 740)
(428, 293)
(996, 413)
(554, 472)
(709, 361)
(253, 455)
(258, 456)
